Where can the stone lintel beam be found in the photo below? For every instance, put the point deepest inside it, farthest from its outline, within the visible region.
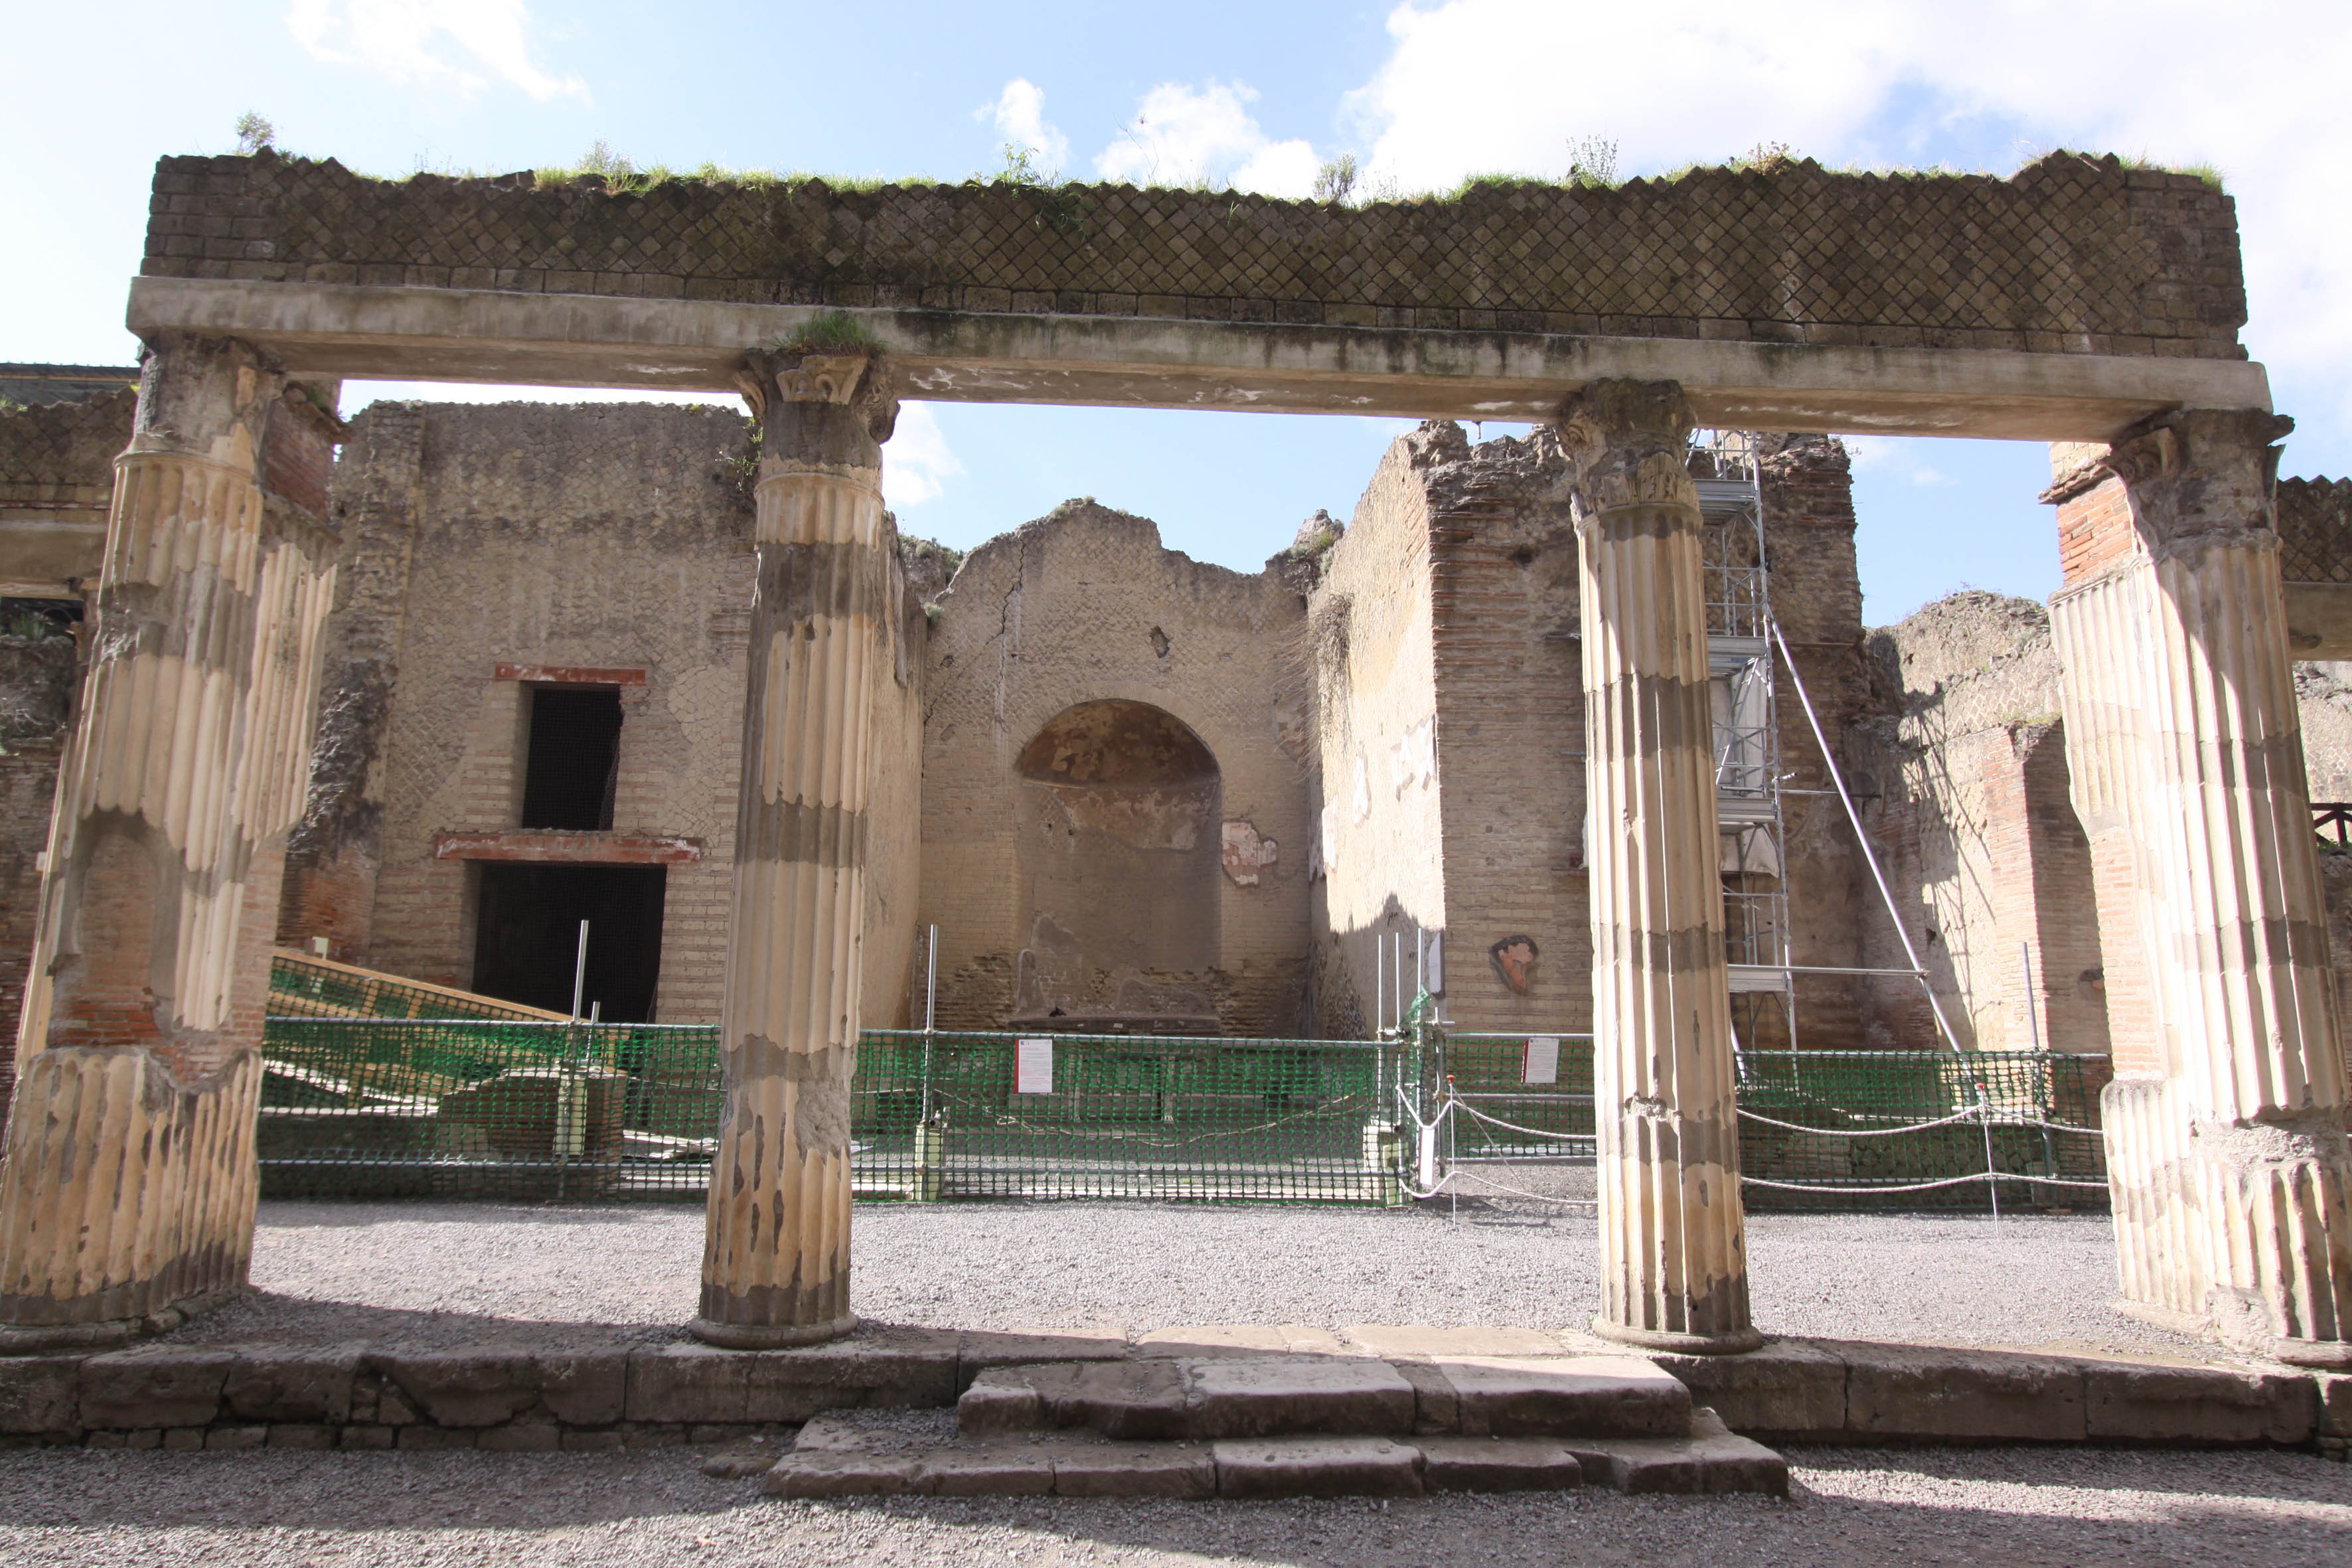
(1673, 1237)
(776, 1259)
(579, 340)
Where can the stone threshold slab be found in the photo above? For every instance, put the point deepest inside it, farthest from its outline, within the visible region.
(625, 1393)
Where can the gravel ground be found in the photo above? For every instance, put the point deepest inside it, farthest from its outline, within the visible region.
(449, 1273)
(2017, 1508)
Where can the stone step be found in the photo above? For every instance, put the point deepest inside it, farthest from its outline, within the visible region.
(1209, 1398)
(875, 1454)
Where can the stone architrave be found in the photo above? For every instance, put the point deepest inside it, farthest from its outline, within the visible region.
(1673, 1238)
(127, 1197)
(2228, 1166)
(776, 1262)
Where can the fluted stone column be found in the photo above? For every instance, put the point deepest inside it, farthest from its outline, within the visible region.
(126, 1197)
(776, 1264)
(1673, 1241)
(2229, 1168)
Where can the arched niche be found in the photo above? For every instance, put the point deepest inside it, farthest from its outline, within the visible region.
(1118, 813)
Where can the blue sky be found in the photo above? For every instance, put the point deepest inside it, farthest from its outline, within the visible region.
(1251, 93)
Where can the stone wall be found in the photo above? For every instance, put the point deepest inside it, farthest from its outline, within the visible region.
(38, 670)
(2071, 255)
(1965, 782)
(1084, 606)
(1380, 834)
(2314, 530)
(538, 539)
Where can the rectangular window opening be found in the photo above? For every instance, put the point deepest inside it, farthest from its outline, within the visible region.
(573, 763)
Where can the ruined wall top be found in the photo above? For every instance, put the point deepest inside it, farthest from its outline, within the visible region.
(2071, 255)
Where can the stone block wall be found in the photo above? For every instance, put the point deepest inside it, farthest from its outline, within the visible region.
(38, 673)
(2314, 530)
(1371, 622)
(1084, 606)
(1966, 802)
(593, 538)
(2071, 255)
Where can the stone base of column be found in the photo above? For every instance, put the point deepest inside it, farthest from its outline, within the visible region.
(126, 1203)
(42, 1339)
(1739, 1341)
(769, 1336)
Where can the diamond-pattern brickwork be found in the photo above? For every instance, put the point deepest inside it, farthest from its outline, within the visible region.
(2071, 255)
(2314, 530)
(53, 449)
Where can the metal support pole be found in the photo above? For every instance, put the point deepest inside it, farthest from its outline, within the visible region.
(578, 971)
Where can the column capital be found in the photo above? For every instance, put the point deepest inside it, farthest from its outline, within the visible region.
(1627, 444)
(204, 397)
(788, 385)
(2198, 475)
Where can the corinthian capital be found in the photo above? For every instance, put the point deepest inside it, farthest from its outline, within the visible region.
(2198, 475)
(1627, 444)
(859, 381)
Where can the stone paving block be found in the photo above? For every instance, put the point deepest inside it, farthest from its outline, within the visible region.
(652, 1435)
(1135, 1469)
(1601, 1396)
(1916, 1391)
(1437, 1408)
(746, 1457)
(993, 1470)
(593, 1442)
(1135, 1401)
(688, 1382)
(1792, 1388)
(1317, 1467)
(293, 1384)
(977, 1349)
(473, 1387)
(226, 1440)
(831, 1475)
(1004, 1399)
(1398, 1339)
(1496, 1465)
(369, 1439)
(2154, 1402)
(40, 1393)
(2335, 1393)
(585, 1388)
(1241, 1338)
(1711, 1459)
(161, 1385)
(908, 1367)
(1262, 1396)
(183, 1439)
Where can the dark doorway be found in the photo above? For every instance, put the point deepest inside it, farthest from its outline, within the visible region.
(527, 932)
(575, 759)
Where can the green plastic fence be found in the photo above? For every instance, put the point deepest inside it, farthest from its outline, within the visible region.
(474, 1108)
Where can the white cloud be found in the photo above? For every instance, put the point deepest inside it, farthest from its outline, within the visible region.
(1020, 114)
(917, 463)
(1479, 85)
(443, 44)
(1903, 456)
(1184, 135)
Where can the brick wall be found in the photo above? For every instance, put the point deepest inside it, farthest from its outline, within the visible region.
(1085, 605)
(603, 536)
(2071, 255)
(2314, 530)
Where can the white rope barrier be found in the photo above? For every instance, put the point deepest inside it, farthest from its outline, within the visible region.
(1921, 1186)
(1863, 1131)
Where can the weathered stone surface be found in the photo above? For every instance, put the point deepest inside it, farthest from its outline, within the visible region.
(995, 1470)
(604, 1442)
(301, 1434)
(1621, 1397)
(1899, 1390)
(917, 1367)
(2335, 1393)
(226, 1439)
(160, 1385)
(1396, 1341)
(522, 1438)
(1258, 1398)
(433, 1439)
(842, 1474)
(366, 1439)
(686, 1382)
(1317, 1467)
(746, 1456)
(40, 1393)
(292, 1383)
(2158, 1403)
(183, 1439)
(1241, 1338)
(1436, 1406)
(1711, 1459)
(977, 1349)
(465, 1387)
(1001, 1400)
(1134, 1469)
(587, 1388)
(1789, 1388)
(1496, 1465)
